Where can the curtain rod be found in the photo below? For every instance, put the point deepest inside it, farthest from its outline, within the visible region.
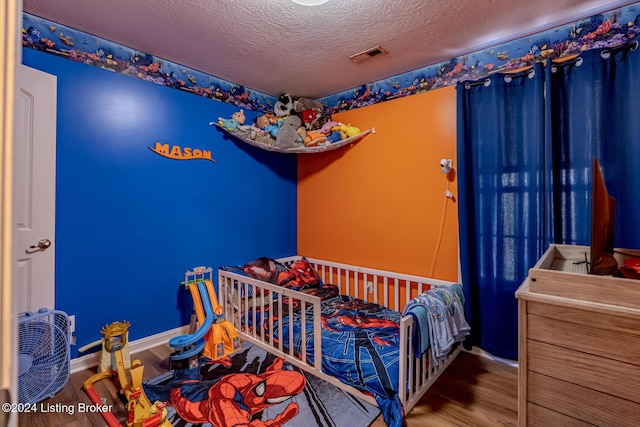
(486, 82)
(577, 61)
(530, 73)
(508, 78)
(606, 53)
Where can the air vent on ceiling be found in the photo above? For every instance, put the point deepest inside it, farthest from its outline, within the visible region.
(368, 54)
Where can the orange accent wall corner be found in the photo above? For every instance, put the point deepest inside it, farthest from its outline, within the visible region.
(380, 202)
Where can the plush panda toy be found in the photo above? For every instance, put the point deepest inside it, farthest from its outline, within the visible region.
(284, 106)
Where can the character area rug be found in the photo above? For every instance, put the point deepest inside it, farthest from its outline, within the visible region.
(255, 388)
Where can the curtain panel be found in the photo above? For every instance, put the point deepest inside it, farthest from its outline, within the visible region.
(594, 111)
(500, 178)
(525, 146)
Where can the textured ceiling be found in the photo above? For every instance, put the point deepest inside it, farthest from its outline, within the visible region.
(277, 46)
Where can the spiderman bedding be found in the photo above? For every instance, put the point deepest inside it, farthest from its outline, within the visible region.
(360, 340)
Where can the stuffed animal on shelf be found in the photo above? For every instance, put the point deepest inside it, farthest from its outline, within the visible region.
(328, 127)
(264, 138)
(308, 116)
(287, 134)
(303, 103)
(311, 138)
(232, 124)
(249, 131)
(348, 131)
(334, 137)
(311, 112)
(267, 126)
(284, 106)
(259, 132)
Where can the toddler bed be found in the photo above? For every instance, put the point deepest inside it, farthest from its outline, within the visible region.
(299, 307)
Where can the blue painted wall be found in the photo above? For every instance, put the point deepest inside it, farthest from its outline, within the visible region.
(130, 222)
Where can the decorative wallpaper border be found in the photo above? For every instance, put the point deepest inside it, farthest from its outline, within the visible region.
(57, 39)
(608, 29)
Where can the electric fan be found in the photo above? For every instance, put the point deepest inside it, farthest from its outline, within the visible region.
(44, 354)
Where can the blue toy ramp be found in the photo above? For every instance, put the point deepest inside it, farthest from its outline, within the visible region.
(196, 340)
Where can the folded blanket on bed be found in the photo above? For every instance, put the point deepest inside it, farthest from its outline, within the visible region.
(439, 315)
(420, 314)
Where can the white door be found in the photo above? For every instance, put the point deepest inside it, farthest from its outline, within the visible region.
(34, 178)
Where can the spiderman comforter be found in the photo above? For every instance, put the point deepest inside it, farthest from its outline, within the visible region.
(360, 340)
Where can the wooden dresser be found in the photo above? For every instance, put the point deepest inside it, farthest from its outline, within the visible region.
(579, 344)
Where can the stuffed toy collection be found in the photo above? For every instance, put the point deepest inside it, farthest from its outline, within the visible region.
(293, 124)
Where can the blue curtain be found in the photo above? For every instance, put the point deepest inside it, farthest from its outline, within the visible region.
(593, 111)
(501, 196)
(524, 165)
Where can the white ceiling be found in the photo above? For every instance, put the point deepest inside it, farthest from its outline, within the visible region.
(277, 46)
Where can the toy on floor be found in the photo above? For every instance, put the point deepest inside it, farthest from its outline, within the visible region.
(216, 337)
(115, 361)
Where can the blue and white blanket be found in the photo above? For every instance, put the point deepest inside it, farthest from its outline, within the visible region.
(439, 320)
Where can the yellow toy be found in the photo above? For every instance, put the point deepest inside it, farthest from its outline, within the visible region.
(115, 360)
(348, 131)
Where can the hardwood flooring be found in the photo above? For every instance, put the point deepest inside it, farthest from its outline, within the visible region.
(473, 391)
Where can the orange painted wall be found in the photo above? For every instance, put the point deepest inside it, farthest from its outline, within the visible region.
(379, 203)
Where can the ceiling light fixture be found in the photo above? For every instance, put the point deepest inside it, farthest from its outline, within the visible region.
(310, 2)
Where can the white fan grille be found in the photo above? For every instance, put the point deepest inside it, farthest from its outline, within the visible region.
(43, 358)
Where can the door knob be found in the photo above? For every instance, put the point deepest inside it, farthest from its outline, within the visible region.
(42, 244)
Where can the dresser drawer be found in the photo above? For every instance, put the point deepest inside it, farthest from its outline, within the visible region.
(582, 403)
(599, 334)
(608, 318)
(608, 376)
(539, 416)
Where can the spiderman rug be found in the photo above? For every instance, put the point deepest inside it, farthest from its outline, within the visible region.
(256, 388)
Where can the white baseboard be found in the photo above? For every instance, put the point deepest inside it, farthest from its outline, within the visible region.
(90, 360)
(480, 352)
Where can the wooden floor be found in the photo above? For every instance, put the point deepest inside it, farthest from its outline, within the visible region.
(473, 391)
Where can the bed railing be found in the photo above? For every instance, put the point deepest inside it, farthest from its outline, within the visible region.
(419, 373)
(392, 290)
(249, 298)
